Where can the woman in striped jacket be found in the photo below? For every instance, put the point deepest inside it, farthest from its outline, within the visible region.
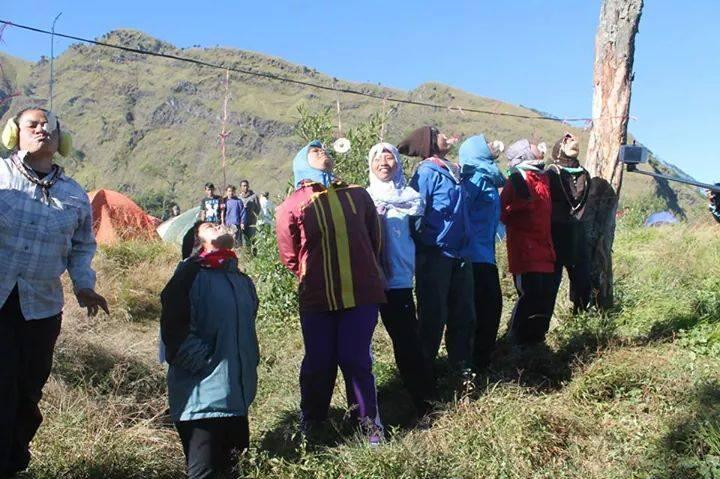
(329, 236)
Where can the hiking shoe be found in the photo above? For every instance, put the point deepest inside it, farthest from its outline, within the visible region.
(373, 433)
(467, 379)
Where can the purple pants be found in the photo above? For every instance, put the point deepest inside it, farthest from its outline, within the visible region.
(338, 338)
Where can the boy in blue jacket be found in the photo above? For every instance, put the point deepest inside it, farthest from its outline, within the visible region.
(443, 278)
(481, 179)
(208, 329)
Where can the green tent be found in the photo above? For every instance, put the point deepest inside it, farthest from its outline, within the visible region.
(175, 228)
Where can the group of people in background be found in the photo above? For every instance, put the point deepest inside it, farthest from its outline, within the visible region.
(359, 251)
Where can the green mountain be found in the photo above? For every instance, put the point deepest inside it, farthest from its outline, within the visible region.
(150, 126)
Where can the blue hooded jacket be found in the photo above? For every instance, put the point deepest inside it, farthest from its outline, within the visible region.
(443, 223)
(303, 171)
(481, 179)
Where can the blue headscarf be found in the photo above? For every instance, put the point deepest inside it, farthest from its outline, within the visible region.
(477, 162)
(303, 171)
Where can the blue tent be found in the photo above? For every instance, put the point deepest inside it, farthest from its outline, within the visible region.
(661, 218)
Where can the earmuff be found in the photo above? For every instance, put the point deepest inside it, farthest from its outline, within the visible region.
(10, 134)
(65, 144)
(11, 137)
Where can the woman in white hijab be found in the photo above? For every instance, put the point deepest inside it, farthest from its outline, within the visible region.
(396, 205)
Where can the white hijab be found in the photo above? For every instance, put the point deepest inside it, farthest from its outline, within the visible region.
(393, 193)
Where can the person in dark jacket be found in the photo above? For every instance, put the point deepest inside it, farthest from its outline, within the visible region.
(443, 277)
(526, 210)
(329, 236)
(482, 179)
(211, 205)
(208, 331)
(569, 189)
(251, 202)
(714, 205)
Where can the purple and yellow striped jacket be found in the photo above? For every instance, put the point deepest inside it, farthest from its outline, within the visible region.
(331, 239)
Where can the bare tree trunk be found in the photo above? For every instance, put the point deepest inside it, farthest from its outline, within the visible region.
(614, 55)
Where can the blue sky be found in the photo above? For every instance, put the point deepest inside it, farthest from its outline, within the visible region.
(537, 53)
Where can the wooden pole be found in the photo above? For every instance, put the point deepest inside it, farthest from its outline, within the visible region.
(614, 55)
(224, 133)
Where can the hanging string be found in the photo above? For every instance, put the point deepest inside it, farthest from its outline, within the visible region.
(337, 107)
(382, 120)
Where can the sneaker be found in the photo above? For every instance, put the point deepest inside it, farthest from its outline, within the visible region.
(372, 432)
(467, 382)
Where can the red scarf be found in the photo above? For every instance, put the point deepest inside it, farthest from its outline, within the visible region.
(215, 259)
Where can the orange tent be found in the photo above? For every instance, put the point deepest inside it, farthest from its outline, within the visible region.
(116, 217)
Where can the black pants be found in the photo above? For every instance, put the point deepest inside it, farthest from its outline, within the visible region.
(534, 308)
(26, 352)
(580, 284)
(247, 239)
(210, 445)
(445, 298)
(569, 239)
(400, 320)
(488, 308)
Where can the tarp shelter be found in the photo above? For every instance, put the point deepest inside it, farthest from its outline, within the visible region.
(661, 218)
(175, 228)
(116, 217)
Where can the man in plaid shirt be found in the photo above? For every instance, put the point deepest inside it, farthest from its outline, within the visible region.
(45, 230)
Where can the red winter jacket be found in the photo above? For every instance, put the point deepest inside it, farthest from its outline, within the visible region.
(529, 237)
(330, 239)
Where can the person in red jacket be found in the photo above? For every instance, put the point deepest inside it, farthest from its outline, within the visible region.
(329, 236)
(526, 210)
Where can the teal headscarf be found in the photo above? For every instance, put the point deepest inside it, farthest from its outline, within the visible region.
(303, 171)
(477, 162)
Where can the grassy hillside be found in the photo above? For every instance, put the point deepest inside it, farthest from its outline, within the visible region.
(149, 126)
(634, 393)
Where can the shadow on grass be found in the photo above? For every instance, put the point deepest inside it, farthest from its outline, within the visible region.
(286, 441)
(542, 368)
(90, 365)
(691, 448)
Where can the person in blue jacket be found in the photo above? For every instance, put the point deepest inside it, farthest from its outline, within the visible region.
(443, 278)
(207, 327)
(481, 179)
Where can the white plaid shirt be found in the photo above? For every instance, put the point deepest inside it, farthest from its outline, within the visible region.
(40, 241)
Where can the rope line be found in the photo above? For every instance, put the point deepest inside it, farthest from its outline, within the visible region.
(273, 76)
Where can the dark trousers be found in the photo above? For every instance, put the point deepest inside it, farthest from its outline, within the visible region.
(534, 308)
(338, 338)
(488, 308)
(247, 239)
(400, 320)
(445, 299)
(580, 284)
(26, 352)
(211, 445)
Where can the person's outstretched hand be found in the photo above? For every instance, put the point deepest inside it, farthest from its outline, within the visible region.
(87, 298)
